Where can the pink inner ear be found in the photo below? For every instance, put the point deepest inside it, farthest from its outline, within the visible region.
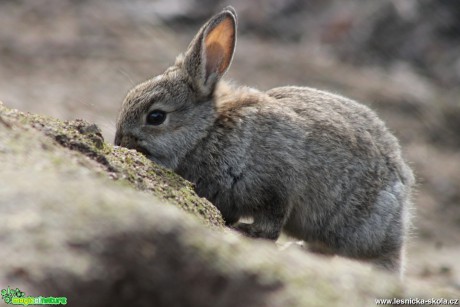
(214, 58)
(219, 44)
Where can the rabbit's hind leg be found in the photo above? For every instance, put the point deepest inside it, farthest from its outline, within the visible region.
(264, 230)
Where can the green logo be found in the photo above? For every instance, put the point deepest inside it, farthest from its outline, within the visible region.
(17, 297)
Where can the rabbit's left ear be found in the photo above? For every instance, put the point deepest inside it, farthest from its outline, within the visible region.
(211, 51)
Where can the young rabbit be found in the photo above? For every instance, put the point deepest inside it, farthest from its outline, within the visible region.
(319, 166)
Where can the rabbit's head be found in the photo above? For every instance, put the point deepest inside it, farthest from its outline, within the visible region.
(166, 116)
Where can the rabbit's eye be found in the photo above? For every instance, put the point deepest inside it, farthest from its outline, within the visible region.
(156, 117)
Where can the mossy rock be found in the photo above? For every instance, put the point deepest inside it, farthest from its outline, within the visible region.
(118, 163)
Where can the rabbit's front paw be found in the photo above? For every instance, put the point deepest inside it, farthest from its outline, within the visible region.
(255, 231)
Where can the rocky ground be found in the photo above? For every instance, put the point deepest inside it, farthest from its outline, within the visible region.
(100, 226)
(78, 59)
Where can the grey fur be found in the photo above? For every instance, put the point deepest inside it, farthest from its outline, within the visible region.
(319, 166)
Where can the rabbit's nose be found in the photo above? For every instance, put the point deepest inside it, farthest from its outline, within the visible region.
(127, 141)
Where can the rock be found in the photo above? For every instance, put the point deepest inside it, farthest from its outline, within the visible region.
(102, 226)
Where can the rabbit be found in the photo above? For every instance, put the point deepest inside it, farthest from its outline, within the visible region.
(318, 166)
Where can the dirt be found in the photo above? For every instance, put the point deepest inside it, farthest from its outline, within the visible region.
(78, 59)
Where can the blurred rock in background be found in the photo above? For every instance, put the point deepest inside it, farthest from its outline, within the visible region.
(423, 33)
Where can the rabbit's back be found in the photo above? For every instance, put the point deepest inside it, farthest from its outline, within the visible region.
(343, 127)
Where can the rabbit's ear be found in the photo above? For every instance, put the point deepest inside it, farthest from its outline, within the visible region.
(211, 51)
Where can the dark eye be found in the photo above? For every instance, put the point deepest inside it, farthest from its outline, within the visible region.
(156, 117)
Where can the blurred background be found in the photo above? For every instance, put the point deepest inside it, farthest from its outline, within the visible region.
(77, 59)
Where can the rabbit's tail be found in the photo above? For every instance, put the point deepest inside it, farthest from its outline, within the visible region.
(395, 260)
